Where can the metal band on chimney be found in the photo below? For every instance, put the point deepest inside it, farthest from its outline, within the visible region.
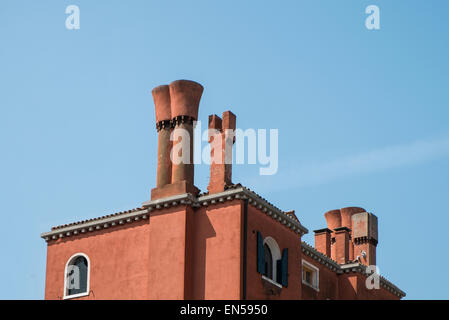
(164, 124)
(176, 121)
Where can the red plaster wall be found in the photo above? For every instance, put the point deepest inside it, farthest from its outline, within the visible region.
(185, 254)
(346, 286)
(216, 260)
(328, 283)
(259, 221)
(167, 248)
(119, 258)
(353, 287)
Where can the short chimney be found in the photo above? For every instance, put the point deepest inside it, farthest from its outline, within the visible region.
(176, 111)
(342, 244)
(221, 138)
(365, 237)
(323, 241)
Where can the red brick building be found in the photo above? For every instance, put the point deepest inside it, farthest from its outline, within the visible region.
(227, 243)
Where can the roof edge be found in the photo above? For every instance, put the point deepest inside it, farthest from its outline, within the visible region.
(349, 267)
(181, 199)
(94, 225)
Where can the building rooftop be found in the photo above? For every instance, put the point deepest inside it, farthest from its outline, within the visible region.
(235, 191)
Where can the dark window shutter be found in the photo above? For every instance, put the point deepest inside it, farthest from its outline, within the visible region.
(260, 254)
(284, 263)
(279, 271)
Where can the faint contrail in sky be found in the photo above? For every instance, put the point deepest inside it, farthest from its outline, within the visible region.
(364, 163)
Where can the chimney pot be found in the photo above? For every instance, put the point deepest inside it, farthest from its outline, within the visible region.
(161, 97)
(333, 218)
(221, 151)
(185, 98)
(342, 240)
(347, 213)
(365, 236)
(176, 108)
(215, 122)
(346, 221)
(323, 241)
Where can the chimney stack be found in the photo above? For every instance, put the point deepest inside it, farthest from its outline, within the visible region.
(346, 221)
(341, 244)
(333, 219)
(323, 241)
(176, 110)
(161, 97)
(365, 237)
(185, 99)
(221, 138)
(340, 221)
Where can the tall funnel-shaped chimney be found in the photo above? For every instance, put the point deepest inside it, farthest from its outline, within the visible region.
(185, 99)
(176, 110)
(333, 218)
(161, 97)
(346, 221)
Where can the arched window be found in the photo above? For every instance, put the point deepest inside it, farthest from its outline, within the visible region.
(76, 277)
(270, 263)
(272, 255)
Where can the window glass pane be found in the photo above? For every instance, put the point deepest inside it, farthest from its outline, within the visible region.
(268, 262)
(77, 276)
(308, 277)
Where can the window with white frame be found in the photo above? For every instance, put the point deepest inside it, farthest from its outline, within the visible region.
(270, 262)
(76, 276)
(272, 255)
(310, 275)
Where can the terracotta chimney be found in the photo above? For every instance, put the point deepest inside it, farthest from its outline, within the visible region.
(365, 237)
(340, 221)
(346, 221)
(341, 244)
(176, 110)
(185, 99)
(161, 97)
(221, 138)
(333, 219)
(323, 241)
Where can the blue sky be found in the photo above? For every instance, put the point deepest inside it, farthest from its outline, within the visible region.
(362, 116)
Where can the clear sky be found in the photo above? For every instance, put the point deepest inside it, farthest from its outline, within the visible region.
(363, 116)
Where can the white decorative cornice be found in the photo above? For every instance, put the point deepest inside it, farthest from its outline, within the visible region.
(242, 193)
(320, 257)
(384, 283)
(95, 225)
(172, 201)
